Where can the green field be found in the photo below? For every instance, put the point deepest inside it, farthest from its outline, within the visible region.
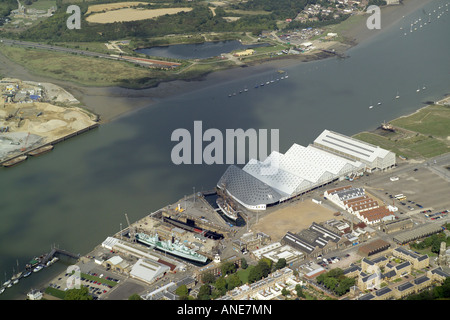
(82, 70)
(42, 4)
(421, 135)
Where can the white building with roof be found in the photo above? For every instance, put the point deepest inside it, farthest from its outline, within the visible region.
(374, 157)
(148, 270)
(283, 176)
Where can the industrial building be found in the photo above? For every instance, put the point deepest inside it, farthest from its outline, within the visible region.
(283, 176)
(374, 157)
(356, 202)
(314, 241)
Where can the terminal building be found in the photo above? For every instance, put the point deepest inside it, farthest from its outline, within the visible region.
(280, 177)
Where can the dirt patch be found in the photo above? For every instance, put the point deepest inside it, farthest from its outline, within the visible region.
(130, 14)
(113, 6)
(292, 217)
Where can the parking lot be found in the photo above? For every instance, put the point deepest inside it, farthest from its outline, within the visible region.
(423, 189)
(98, 281)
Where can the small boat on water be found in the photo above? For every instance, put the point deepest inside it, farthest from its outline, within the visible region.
(14, 161)
(38, 268)
(26, 274)
(2, 290)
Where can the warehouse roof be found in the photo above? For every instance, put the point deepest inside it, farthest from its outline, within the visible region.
(148, 270)
(350, 146)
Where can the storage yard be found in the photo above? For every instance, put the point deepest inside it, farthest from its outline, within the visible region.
(33, 115)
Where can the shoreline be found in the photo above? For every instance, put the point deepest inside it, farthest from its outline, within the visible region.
(112, 103)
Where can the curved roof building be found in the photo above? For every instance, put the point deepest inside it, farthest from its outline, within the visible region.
(283, 176)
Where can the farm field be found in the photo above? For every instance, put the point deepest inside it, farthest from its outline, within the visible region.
(130, 14)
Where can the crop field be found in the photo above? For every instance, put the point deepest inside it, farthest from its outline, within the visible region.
(112, 6)
(131, 14)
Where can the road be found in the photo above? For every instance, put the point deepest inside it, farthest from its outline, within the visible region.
(48, 47)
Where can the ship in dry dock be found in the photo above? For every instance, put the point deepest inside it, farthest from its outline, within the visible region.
(172, 247)
(227, 209)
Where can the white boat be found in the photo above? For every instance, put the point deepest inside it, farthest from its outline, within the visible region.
(7, 283)
(2, 290)
(38, 268)
(379, 103)
(27, 274)
(15, 281)
(418, 89)
(397, 96)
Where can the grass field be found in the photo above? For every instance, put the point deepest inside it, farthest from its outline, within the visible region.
(42, 4)
(421, 135)
(80, 69)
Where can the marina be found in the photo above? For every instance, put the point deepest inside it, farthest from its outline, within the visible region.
(35, 265)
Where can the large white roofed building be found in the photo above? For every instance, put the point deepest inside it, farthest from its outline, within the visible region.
(283, 176)
(372, 156)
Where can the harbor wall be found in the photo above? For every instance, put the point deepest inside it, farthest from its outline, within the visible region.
(56, 141)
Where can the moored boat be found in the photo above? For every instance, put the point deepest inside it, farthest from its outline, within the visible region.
(176, 248)
(41, 150)
(14, 161)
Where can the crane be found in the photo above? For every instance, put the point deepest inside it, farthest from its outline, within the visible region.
(130, 229)
(26, 141)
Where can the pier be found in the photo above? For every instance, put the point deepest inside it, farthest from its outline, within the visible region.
(22, 156)
(340, 55)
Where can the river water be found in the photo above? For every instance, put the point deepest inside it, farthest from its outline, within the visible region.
(197, 50)
(78, 194)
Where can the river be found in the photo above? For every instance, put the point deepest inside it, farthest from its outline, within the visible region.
(78, 194)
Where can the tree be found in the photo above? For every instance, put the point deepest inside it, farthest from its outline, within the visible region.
(299, 290)
(281, 263)
(134, 296)
(221, 285)
(208, 278)
(182, 292)
(234, 281)
(228, 268)
(78, 294)
(244, 264)
(204, 293)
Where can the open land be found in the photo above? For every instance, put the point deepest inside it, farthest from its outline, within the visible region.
(421, 135)
(31, 118)
(292, 217)
(130, 14)
(113, 6)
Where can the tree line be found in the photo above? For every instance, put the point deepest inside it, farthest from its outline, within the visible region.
(214, 287)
